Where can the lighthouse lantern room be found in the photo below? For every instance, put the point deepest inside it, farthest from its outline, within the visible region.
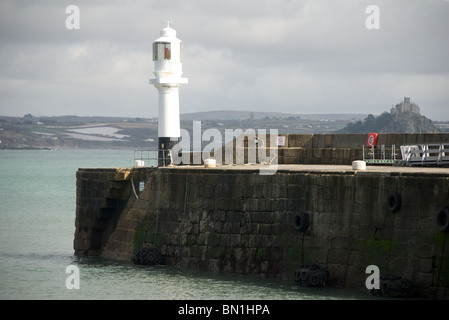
(167, 57)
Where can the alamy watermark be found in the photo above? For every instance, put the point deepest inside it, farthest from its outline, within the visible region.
(259, 148)
(73, 20)
(372, 22)
(73, 280)
(373, 280)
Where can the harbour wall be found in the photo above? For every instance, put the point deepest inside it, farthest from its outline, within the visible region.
(339, 149)
(233, 219)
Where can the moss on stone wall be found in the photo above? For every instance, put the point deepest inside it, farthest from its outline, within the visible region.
(377, 252)
(139, 235)
(246, 225)
(441, 243)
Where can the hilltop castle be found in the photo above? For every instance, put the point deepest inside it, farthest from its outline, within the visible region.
(406, 106)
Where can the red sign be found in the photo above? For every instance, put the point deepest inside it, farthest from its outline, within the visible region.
(372, 139)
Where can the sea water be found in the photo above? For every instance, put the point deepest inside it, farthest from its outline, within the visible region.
(37, 225)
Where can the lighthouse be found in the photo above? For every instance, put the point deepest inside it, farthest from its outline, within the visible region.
(167, 57)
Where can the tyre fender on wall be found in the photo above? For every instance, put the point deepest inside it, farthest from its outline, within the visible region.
(301, 221)
(394, 202)
(443, 219)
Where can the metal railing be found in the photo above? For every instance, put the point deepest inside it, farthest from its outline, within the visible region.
(152, 158)
(381, 155)
(425, 154)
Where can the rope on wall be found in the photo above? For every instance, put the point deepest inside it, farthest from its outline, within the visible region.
(183, 216)
(134, 188)
(158, 205)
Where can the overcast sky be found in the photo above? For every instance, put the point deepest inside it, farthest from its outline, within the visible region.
(292, 56)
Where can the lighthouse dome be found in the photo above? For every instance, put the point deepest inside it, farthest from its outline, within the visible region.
(168, 32)
(167, 57)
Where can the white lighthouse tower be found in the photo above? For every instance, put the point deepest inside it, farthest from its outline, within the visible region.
(167, 57)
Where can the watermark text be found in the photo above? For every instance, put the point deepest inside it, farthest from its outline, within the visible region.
(373, 280)
(73, 280)
(73, 20)
(372, 22)
(238, 147)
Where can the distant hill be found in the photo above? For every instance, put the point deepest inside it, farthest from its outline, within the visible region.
(42, 132)
(256, 115)
(405, 117)
(405, 122)
(53, 132)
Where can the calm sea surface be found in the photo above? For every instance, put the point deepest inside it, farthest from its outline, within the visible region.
(37, 225)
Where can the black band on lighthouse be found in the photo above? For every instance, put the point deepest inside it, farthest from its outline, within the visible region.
(165, 144)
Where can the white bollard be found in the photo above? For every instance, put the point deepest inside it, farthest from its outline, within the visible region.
(139, 163)
(210, 163)
(358, 165)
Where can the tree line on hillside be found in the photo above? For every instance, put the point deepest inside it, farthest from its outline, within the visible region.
(405, 122)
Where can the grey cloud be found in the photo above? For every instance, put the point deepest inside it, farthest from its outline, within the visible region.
(292, 56)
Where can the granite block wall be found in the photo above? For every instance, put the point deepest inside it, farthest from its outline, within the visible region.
(239, 221)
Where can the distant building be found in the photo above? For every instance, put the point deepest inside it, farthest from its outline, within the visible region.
(406, 106)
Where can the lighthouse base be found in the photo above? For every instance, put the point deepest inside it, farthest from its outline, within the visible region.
(165, 145)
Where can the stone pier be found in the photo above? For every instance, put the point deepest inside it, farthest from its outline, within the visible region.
(233, 219)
